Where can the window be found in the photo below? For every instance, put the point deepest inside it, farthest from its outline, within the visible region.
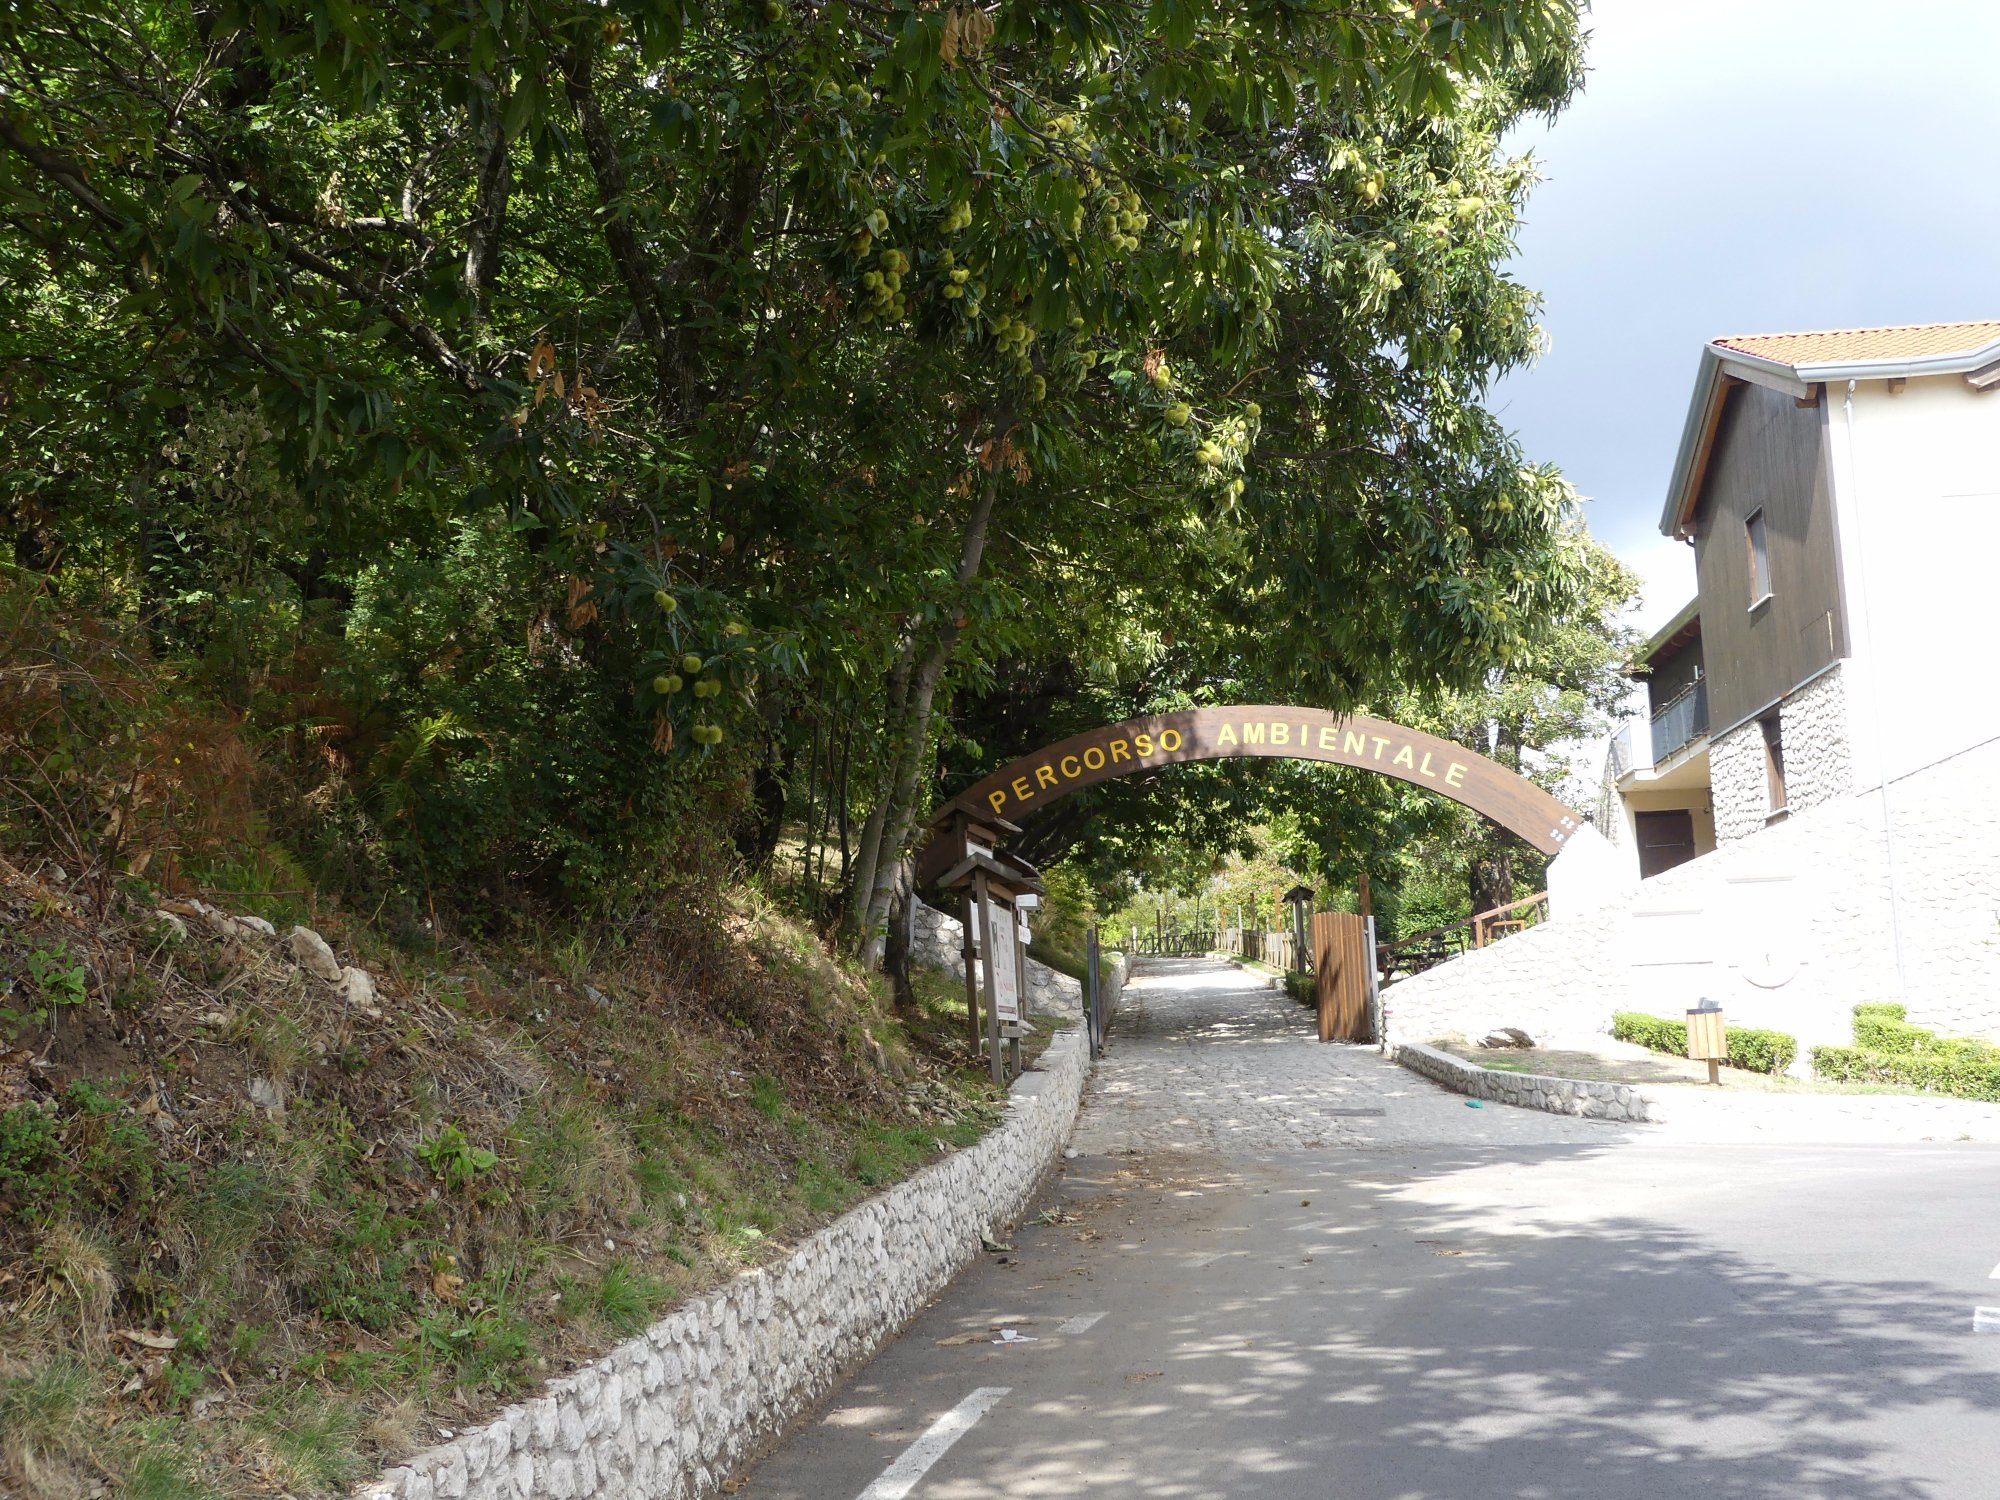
(1774, 761)
(1760, 558)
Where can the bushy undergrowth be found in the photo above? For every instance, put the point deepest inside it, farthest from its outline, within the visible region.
(253, 1239)
(1751, 1048)
(290, 1236)
(1887, 1049)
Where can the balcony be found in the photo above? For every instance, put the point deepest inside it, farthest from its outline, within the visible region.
(1680, 720)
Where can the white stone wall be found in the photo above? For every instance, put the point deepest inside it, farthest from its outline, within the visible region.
(670, 1415)
(1738, 789)
(1891, 894)
(937, 941)
(1812, 724)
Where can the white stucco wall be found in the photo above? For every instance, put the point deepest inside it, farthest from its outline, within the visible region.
(1916, 488)
(1789, 929)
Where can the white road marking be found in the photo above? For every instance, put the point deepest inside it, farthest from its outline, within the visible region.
(1081, 1323)
(1994, 1274)
(896, 1481)
(1986, 1320)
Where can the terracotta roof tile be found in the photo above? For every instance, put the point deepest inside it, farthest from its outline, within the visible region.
(1853, 345)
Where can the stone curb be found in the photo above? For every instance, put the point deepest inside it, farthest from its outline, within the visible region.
(1716, 1115)
(1556, 1096)
(671, 1414)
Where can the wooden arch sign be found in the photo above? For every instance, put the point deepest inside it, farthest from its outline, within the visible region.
(1275, 731)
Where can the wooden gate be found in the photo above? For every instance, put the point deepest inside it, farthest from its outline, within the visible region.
(1344, 969)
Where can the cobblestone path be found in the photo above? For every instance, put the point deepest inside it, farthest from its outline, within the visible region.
(1204, 1056)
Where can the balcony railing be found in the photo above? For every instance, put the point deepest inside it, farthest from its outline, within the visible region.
(1680, 719)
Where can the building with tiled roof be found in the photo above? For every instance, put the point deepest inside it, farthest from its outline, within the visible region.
(1810, 805)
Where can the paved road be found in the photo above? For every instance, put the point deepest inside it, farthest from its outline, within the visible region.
(1247, 1287)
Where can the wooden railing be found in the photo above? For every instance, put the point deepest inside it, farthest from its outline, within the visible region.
(1435, 945)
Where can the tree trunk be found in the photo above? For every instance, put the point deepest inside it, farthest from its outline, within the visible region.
(901, 933)
(1492, 879)
(909, 733)
(909, 738)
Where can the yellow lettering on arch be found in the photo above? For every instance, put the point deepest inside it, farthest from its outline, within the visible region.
(1045, 775)
(1022, 791)
(1281, 732)
(1353, 742)
(1142, 743)
(1328, 740)
(1454, 774)
(1165, 735)
(1118, 750)
(1404, 757)
(1071, 767)
(1253, 734)
(1227, 736)
(1096, 750)
(998, 799)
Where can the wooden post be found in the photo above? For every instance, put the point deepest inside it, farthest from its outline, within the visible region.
(1366, 895)
(988, 942)
(1021, 1009)
(971, 950)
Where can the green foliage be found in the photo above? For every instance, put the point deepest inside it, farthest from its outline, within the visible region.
(1883, 1010)
(1303, 988)
(1881, 1033)
(1963, 1073)
(625, 1297)
(454, 1160)
(36, 1178)
(1062, 960)
(1751, 1048)
(1758, 1050)
(447, 511)
(1887, 1049)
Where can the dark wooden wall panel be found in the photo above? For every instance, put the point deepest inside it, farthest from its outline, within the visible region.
(1769, 453)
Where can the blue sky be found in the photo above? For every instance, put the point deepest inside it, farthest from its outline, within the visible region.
(1744, 166)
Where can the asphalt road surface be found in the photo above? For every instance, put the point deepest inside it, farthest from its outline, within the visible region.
(1280, 1269)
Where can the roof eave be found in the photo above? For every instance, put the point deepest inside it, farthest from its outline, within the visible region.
(1708, 388)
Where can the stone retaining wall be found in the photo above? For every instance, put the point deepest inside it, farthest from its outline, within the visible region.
(937, 941)
(670, 1415)
(1556, 1096)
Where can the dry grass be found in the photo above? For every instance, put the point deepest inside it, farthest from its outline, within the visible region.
(334, 1233)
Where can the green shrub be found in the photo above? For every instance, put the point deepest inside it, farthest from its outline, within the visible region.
(1760, 1051)
(1877, 1033)
(1303, 988)
(1962, 1072)
(1883, 1010)
(1654, 1032)
(1751, 1048)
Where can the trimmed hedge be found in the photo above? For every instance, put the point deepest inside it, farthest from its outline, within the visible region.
(1962, 1073)
(1887, 1049)
(1751, 1048)
(1882, 1034)
(1302, 988)
(1881, 1010)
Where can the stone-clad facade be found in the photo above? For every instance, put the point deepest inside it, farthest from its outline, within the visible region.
(670, 1415)
(1737, 788)
(1813, 729)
